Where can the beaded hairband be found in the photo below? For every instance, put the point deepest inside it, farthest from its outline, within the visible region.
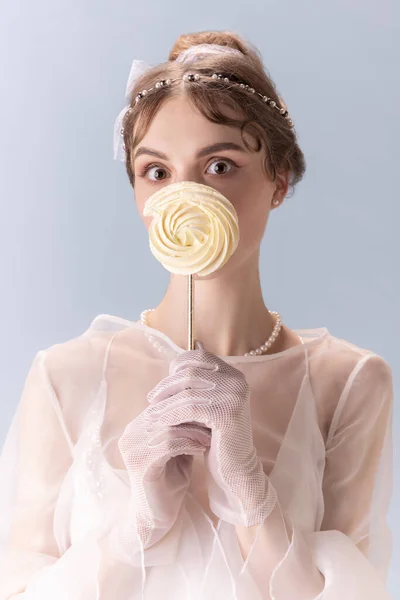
(196, 77)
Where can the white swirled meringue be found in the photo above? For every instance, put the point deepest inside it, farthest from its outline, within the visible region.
(194, 230)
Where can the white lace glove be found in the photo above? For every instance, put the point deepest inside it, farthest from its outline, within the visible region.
(239, 490)
(159, 476)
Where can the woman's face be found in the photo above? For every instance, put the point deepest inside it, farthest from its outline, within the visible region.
(173, 150)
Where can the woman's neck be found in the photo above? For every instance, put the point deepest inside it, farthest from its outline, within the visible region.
(230, 317)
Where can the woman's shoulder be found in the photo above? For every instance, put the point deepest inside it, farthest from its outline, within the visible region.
(85, 350)
(337, 359)
(110, 323)
(348, 350)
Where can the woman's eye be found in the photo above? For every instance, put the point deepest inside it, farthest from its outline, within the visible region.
(222, 162)
(147, 170)
(156, 169)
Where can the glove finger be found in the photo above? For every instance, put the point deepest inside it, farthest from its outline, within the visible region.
(193, 431)
(184, 400)
(173, 384)
(177, 415)
(193, 362)
(199, 357)
(175, 447)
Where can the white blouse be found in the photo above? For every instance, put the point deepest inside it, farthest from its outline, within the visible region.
(322, 427)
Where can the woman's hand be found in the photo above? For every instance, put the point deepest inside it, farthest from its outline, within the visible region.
(159, 467)
(218, 397)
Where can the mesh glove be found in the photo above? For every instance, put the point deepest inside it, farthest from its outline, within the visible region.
(219, 398)
(159, 467)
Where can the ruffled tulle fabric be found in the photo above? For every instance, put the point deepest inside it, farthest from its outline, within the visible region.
(322, 426)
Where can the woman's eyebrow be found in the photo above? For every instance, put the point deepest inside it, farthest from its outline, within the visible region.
(201, 153)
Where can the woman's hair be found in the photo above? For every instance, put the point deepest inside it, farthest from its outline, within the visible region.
(211, 95)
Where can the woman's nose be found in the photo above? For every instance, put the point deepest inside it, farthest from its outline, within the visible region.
(189, 174)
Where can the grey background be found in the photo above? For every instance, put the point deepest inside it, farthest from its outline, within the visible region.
(72, 244)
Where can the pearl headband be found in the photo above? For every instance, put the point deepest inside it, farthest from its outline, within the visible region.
(190, 55)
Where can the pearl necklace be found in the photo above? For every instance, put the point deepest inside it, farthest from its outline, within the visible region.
(257, 351)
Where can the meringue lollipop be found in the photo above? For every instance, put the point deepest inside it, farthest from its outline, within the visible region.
(194, 230)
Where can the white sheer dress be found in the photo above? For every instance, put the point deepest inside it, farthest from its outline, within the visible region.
(322, 426)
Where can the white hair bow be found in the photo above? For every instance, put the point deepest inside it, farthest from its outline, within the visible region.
(137, 69)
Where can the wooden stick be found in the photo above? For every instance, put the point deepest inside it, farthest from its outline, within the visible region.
(190, 327)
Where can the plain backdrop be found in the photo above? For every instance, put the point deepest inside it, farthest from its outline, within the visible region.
(72, 244)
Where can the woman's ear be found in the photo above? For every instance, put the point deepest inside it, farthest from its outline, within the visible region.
(282, 185)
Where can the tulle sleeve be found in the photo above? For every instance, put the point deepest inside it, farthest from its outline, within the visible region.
(358, 479)
(35, 458)
(348, 557)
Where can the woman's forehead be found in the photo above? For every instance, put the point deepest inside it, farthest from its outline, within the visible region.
(178, 122)
(181, 112)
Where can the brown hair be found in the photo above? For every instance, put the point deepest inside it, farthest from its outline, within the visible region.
(210, 95)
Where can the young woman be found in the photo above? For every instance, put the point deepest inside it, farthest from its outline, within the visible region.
(257, 466)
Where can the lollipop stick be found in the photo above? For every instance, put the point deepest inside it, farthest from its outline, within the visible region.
(190, 312)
